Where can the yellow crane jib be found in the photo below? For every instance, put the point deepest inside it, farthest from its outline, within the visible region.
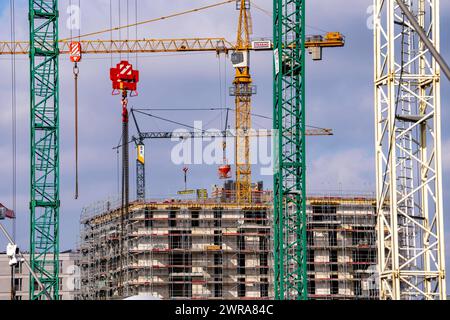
(219, 45)
(316, 43)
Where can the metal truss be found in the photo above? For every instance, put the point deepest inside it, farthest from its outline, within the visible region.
(408, 153)
(44, 104)
(290, 281)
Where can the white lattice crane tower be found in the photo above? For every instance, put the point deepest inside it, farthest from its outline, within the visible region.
(408, 153)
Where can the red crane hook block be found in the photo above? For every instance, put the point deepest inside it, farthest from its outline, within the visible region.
(75, 52)
(124, 78)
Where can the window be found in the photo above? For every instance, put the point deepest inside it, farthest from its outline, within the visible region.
(257, 217)
(241, 257)
(333, 256)
(363, 237)
(332, 238)
(263, 244)
(364, 256)
(334, 287)
(148, 218)
(240, 242)
(241, 288)
(263, 263)
(218, 289)
(334, 261)
(18, 284)
(310, 238)
(18, 268)
(263, 258)
(324, 213)
(175, 242)
(317, 217)
(334, 267)
(357, 288)
(218, 259)
(218, 272)
(217, 238)
(241, 263)
(172, 219)
(180, 262)
(264, 287)
(310, 260)
(217, 218)
(312, 286)
(181, 287)
(195, 222)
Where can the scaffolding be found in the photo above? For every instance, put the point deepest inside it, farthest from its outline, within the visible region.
(175, 249)
(212, 248)
(341, 235)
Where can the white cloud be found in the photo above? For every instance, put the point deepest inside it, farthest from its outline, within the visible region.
(446, 156)
(347, 170)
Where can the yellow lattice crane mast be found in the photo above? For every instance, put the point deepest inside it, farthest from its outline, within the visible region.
(243, 91)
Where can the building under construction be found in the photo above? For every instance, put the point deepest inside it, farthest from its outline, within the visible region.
(178, 249)
(215, 249)
(341, 233)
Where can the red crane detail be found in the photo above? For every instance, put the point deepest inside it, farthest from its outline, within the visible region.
(75, 52)
(124, 78)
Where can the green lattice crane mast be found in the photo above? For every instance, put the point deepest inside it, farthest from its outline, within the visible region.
(44, 104)
(289, 177)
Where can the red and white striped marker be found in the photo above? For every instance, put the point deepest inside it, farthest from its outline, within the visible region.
(75, 52)
(126, 69)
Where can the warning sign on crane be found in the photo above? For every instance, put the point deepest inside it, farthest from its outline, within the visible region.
(262, 45)
(141, 153)
(75, 51)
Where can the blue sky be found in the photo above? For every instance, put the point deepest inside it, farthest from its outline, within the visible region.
(339, 96)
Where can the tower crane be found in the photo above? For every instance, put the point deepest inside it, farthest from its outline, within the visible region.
(44, 166)
(290, 238)
(410, 215)
(142, 136)
(243, 91)
(44, 48)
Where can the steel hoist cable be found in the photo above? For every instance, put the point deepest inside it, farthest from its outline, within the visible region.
(137, 28)
(14, 140)
(111, 28)
(76, 72)
(120, 27)
(14, 119)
